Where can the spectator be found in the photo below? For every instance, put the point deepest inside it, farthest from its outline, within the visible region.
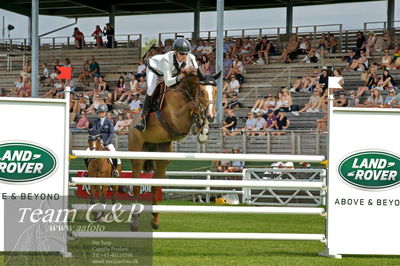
(94, 69)
(323, 102)
(386, 60)
(387, 82)
(79, 38)
(323, 80)
(235, 102)
(279, 102)
(109, 32)
(120, 89)
(168, 46)
(352, 58)
(83, 122)
(250, 125)
(19, 85)
(323, 44)
(266, 49)
(207, 49)
(322, 124)
(141, 70)
(311, 106)
(361, 43)
(341, 101)
(82, 102)
(225, 102)
(235, 166)
(370, 43)
(332, 45)
(361, 64)
(55, 73)
(237, 48)
(261, 124)
(233, 86)
(383, 42)
(230, 124)
(198, 47)
(98, 100)
(60, 87)
(103, 86)
(396, 57)
(45, 75)
(228, 44)
(396, 101)
(302, 84)
(26, 70)
(270, 121)
(227, 63)
(375, 99)
(291, 48)
(109, 117)
(205, 66)
(353, 100)
(119, 125)
(236, 68)
(305, 46)
(85, 73)
(135, 105)
(98, 36)
(312, 57)
(370, 82)
(286, 101)
(390, 98)
(221, 166)
(282, 123)
(128, 122)
(141, 85)
(269, 103)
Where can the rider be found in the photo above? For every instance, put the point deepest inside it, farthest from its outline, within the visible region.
(168, 66)
(106, 129)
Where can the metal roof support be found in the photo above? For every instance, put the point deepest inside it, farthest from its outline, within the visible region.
(111, 16)
(196, 30)
(289, 17)
(35, 48)
(220, 58)
(390, 14)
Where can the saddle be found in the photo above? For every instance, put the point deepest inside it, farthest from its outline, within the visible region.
(158, 97)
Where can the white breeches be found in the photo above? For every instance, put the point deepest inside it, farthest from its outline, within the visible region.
(152, 82)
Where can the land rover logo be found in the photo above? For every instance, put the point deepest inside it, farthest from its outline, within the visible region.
(24, 162)
(371, 169)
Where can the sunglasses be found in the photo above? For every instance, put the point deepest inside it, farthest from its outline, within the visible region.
(181, 53)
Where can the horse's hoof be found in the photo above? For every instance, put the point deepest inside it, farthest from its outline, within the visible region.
(202, 138)
(135, 223)
(154, 225)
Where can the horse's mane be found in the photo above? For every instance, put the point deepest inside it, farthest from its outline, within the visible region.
(190, 82)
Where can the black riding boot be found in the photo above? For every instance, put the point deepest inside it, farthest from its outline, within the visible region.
(86, 160)
(145, 111)
(115, 170)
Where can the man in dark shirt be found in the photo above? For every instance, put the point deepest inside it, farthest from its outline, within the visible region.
(323, 80)
(94, 70)
(230, 124)
(360, 43)
(235, 102)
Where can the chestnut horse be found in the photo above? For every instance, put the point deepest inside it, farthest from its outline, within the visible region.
(100, 167)
(189, 103)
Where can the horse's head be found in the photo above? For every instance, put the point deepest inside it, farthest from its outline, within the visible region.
(94, 140)
(208, 94)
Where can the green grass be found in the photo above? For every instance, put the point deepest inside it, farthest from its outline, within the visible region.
(220, 252)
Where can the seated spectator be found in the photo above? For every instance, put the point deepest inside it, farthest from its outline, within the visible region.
(323, 102)
(370, 44)
(221, 166)
(227, 63)
(110, 117)
(94, 69)
(233, 86)
(396, 101)
(291, 48)
(269, 103)
(128, 122)
(250, 125)
(207, 49)
(302, 84)
(387, 82)
(270, 121)
(386, 60)
(304, 46)
(390, 98)
(332, 45)
(266, 49)
(353, 100)
(120, 124)
(205, 66)
(370, 82)
(375, 99)
(279, 102)
(55, 73)
(19, 85)
(247, 52)
(230, 124)
(352, 58)
(236, 67)
(237, 48)
(322, 124)
(282, 123)
(383, 42)
(261, 125)
(85, 73)
(341, 101)
(120, 89)
(287, 101)
(141, 86)
(311, 106)
(79, 38)
(234, 103)
(312, 57)
(98, 36)
(323, 44)
(361, 43)
(45, 75)
(141, 69)
(198, 47)
(103, 86)
(396, 57)
(168, 46)
(235, 166)
(228, 45)
(323, 81)
(26, 70)
(135, 105)
(83, 122)
(83, 102)
(98, 100)
(361, 64)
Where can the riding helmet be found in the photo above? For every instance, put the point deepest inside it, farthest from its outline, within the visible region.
(102, 108)
(182, 45)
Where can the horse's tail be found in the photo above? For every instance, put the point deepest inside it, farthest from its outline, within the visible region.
(148, 166)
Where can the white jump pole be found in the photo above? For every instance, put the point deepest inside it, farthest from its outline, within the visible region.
(200, 235)
(206, 209)
(198, 156)
(196, 183)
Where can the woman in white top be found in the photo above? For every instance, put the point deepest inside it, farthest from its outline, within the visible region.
(375, 100)
(370, 43)
(237, 67)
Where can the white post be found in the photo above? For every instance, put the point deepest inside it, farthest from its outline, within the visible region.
(208, 188)
(246, 190)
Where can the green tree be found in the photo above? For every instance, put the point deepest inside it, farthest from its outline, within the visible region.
(147, 44)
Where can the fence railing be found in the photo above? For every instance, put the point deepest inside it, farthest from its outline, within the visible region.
(381, 25)
(68, 42)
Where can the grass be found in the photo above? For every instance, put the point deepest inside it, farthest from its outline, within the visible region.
(214, 252)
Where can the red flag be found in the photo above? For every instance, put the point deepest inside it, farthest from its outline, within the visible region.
(66, 72)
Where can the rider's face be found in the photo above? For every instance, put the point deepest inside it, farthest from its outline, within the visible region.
(102, 114)
(181, 57)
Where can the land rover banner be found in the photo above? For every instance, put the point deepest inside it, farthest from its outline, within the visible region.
(33, 174)
(363, 181)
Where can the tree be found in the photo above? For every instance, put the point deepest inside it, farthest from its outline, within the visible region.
(148, 44)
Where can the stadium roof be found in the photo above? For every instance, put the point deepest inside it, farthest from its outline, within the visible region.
(96, 8)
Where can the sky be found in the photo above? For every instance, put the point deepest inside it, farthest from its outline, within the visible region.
(352, 16)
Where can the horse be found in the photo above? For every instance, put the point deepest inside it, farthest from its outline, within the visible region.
(188, 106)
(100, 167)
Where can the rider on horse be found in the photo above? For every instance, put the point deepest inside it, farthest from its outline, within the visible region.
(106, 129)
(168, 66)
